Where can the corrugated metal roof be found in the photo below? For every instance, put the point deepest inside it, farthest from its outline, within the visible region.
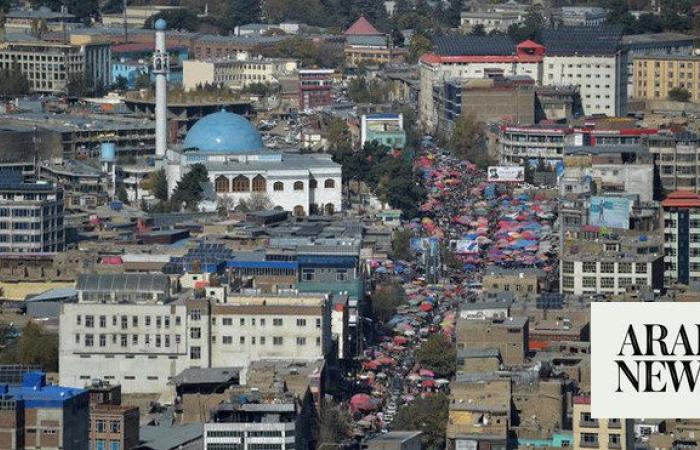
(123, 282)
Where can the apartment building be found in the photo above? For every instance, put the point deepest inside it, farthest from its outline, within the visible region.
(593, 59)
(586, 16)
(386, 129)
(364, 44)
(677, 157)
(26, 20)
(114, 427)
(128, 329)
(236, 73)
(593, 262)
(656, 75)
(35, 415)
(315, 88)
(50, 65)
(463, 57)
(681, 237)
(509, 335)
(493, 17)
(479, 415)
(31, 216)
(603, 434)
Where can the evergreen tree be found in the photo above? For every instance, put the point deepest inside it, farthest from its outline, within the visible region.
(189, 190)
(240, 12)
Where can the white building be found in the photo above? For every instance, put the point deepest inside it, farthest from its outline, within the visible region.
(593, 59)
(240, 167)
(587, 16)
(236, 73)
(490, 20)
(127, 329)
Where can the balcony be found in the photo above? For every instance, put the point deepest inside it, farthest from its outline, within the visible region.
(591, 423)
(614, 423)
(589, 444)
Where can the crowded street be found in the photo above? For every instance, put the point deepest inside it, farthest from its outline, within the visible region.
(481, 225)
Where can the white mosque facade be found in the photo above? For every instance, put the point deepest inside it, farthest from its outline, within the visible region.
(240, 167)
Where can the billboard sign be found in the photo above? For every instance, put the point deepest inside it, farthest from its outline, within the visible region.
(611, 212)
(466, 246)
(506, 174)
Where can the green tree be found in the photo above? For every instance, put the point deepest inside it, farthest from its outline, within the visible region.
(478, 30)
(358, 91)
(335, 424)
(338, 135)
(121, 83)
(177, 19)
(438, 354)
(13, 83)
(34, 346)
(531, 28)
(385, 299)
(454, 13)
(401, 244)
(78, 85)
(261, 89)
(189, 190)
(419, 46)
(679, 94)
(240, 12)
(143, 81)
(157, 184)
(121, 194)
(429, 415)
(468, 140)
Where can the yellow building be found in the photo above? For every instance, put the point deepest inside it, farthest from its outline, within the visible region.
(655, 76)
(601, 434)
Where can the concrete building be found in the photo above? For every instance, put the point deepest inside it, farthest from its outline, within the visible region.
(593, 263)
(386, 129)
(519, 281)
(489, 20)
(240, 167)
(35, 415)
(604, 434)
(682, 251)
(364, 44)
(510, 100)
(136, 16)
(557, 103)
(586, 16)
(677, 157)
(395, 440)
(236, 73)
(479, 415)
(593, 59)
(653, 44)
(655, 76)
(508, 335)
(29, 21)
(50, 65)
(315, 88)
(464, 57)
(31, 216)
(112, 425)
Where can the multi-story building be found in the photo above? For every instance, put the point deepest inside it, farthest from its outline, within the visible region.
(677, 157)
(364, 44)
(35, 415)
(386, 129)
(236, 73)
(509, 335)
(493, 17)
(480, 414)
(31, 216)
(136, 16)
(603, 434)
(28, 21)
(463, 57)
(681, 237)
(593, 59)
(127, 329)
(653, 44)
(655, 76)
(112, 425)
(586, 16)
(593, 263)
(315, 88)
(50, 65)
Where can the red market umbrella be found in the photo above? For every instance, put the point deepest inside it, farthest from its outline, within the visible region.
(426, 307)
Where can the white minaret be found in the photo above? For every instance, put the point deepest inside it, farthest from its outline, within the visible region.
(161, 66)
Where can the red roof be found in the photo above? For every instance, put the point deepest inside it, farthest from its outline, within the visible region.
(682, 199)
(362, 27)
(432, 58)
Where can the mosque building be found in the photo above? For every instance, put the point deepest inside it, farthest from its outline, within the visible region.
(240, 166)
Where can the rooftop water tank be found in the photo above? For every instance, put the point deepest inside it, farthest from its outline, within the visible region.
(108, 151)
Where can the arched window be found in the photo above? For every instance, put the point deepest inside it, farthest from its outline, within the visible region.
(240, 184)
(329, 183)
(330, 209)
(298, 185)
(313, 184)
(259, 184)
(278, 186)
(298, 210)
(221, 184)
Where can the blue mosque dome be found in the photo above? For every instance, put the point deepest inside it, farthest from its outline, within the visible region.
(160, 24)
(224, 132)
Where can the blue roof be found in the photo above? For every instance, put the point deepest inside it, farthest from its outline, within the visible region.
(36, 394)
(293, 265)
(224, 132)
(327, 261)
(385, 116)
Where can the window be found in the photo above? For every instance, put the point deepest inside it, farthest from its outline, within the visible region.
(624, 267)
(242, 322)
(77, 319)
(195, 353)
(329, 183)
(262, 340)
(318, 341)
(159, 322)
(318, 323)
(277, 322)
(614, 440)
(89, 321)
(607, 267)
(124, 322)
(114, 445)
(103, 321)
(589, 267)
(77, 338)
(278, 186)
(195, 314)
(241, 340)
(114, 426)
(135, 321)
(568, 267)
(640, 268)
(148, 321)
(624, 282)
(301, 322)
(313, 184)
(89, 340)
(341, 275)
(100, 425)
(166, 321)
(221, 184)
(178, 321)
(195, 333)
(134, 339)
(307, 274)
(589, 282)
(277, 340)
(227, 340)
(227, 321)
(298, 185)
(241, 184)
(301, 341)
(262, 322)
(103, 340)
(607, 282)
(259, 184)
